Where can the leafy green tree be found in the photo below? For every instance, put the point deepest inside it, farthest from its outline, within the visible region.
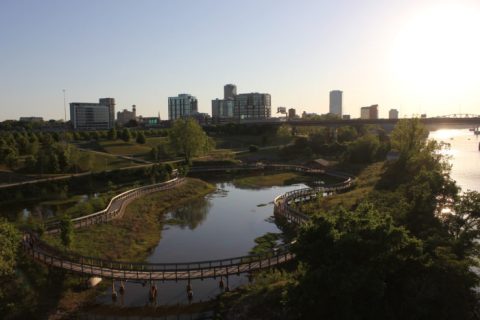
(112, 134)
(141, 138)
(188, 138)
(360, 265)
(346, 134)
(409, 138)
(363, 150)
(66, 231)
(463, 224)
(284, 133)
(126, 135)
(10, 240)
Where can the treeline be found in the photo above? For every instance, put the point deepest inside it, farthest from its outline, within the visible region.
(89, 184)
(52, 152)
(361, 145)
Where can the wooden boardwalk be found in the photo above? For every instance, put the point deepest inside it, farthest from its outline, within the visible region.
(50, 256)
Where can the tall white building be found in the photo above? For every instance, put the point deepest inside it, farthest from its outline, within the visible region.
(393, 114)
(93, 116)
(336, 102)
(183, 106)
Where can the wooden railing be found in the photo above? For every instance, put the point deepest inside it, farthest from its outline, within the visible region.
(116, 206)
(54, 257)
(51, 256)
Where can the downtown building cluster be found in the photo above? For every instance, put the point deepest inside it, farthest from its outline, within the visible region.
(233, 107)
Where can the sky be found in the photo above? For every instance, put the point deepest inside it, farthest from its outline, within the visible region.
(418, 56)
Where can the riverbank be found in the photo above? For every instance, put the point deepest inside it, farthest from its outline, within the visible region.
(366, 180)
(132, 237)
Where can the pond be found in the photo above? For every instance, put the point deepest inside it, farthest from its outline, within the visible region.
(221, 225)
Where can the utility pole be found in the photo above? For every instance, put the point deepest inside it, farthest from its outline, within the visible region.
(64, 107)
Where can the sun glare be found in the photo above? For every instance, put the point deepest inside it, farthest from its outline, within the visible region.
(438, 52)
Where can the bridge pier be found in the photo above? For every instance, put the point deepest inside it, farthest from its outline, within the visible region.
(221, 284)
(189, 290)
(227, 288)
(152, 294)
(114, 292)
(122, 287)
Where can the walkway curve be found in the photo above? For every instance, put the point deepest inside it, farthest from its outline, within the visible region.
(50, 256)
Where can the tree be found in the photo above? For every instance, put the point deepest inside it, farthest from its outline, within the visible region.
(10, 240)
(188, 138)
(463, 223)
(363, 150)
(126, 135)
(360, 265)
(141, 138)
(409, 137)
(112, 134)
(66, 231)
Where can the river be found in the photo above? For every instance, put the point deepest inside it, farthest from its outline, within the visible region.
(464, 156)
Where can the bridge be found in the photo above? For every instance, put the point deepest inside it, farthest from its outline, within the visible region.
(48, 255)
(435, 122)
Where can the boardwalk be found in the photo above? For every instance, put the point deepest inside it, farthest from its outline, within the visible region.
(50, 256)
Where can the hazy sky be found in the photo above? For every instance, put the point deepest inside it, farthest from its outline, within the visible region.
(413, 55)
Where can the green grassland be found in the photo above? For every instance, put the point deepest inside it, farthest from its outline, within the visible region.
(269, 180)
(367, 178)
(100, 162)
(138, 231)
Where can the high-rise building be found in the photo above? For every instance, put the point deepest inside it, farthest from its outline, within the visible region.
(183, 106)
(370, 112)
(222, 109)
(245, 106)
(252, 106)
(393, 114)
(93, 116)
(291, 113)
(336, 102)
(125, 116)
(229, 91)
(110, 103)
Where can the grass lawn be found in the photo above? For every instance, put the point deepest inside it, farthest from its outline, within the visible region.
(100, 162)
(120, 147)
(155, 141)
(133, 236)
(270, 180)
(366, 181)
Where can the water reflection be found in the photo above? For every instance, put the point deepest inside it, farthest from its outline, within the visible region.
(191, 215)
(464, 156)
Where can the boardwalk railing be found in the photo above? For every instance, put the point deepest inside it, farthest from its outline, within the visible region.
(283, 202)
(116, 206)
(52, 256)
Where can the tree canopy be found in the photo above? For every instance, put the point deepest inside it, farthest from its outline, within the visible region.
(9, 240)
(187, 138)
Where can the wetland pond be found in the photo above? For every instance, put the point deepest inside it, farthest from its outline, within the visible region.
(223, 224)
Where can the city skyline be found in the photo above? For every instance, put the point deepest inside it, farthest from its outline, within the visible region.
(148, 51)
